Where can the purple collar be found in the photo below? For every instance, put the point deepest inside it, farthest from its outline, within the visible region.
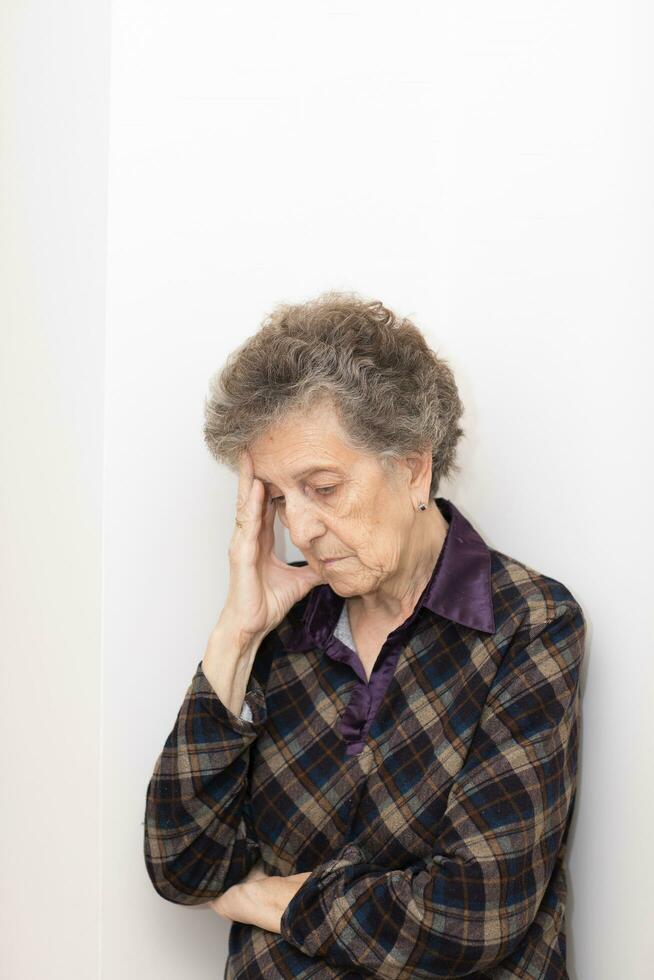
(459, 588)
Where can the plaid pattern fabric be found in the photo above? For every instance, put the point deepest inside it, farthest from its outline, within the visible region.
(438, 849)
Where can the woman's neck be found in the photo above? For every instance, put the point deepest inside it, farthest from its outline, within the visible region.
(397, 597)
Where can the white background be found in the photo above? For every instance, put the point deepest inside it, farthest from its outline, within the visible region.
(170, 172)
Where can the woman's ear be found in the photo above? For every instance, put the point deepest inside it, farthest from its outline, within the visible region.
(419, 466)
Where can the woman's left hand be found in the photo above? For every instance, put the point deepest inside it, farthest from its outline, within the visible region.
(260, 899)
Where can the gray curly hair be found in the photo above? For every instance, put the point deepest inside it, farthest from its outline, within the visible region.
(391, 392)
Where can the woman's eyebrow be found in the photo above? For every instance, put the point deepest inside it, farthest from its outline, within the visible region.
(307, 472)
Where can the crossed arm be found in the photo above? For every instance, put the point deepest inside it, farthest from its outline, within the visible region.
(259, 899)
(464, 907)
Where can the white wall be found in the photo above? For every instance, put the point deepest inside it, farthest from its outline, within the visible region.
(482, 168)
(54, 115)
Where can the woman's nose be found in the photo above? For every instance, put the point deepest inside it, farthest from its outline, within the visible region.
(304, 526)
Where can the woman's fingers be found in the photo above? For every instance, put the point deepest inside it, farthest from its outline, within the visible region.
(245, 477)
(255, 514)
(248, 508)
(268, 526)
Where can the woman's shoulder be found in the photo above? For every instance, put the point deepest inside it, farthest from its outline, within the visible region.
(529, 596)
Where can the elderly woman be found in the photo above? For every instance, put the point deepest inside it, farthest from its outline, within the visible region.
(373, 770)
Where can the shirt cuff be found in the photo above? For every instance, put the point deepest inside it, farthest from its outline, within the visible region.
(256, 704)
(299, 924)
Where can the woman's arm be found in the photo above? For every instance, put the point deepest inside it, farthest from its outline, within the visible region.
(260, 899)
(198, 839)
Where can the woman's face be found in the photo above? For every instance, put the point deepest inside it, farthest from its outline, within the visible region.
(337, 502)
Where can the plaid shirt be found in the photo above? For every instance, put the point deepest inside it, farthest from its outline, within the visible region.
(433, 816)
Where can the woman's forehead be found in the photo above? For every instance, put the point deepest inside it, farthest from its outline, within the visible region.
(295, 451)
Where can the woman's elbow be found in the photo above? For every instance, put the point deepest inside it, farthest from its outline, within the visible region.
(169, 887)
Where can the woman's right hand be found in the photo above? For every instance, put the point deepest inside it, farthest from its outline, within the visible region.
(262, 588)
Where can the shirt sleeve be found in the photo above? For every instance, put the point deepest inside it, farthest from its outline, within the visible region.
(468, 905)
(198, 836)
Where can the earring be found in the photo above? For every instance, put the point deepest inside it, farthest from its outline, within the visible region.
(422, 506)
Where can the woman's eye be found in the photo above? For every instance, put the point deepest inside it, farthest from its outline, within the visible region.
(323, 491)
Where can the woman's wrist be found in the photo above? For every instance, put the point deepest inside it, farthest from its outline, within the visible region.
(264, 900)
